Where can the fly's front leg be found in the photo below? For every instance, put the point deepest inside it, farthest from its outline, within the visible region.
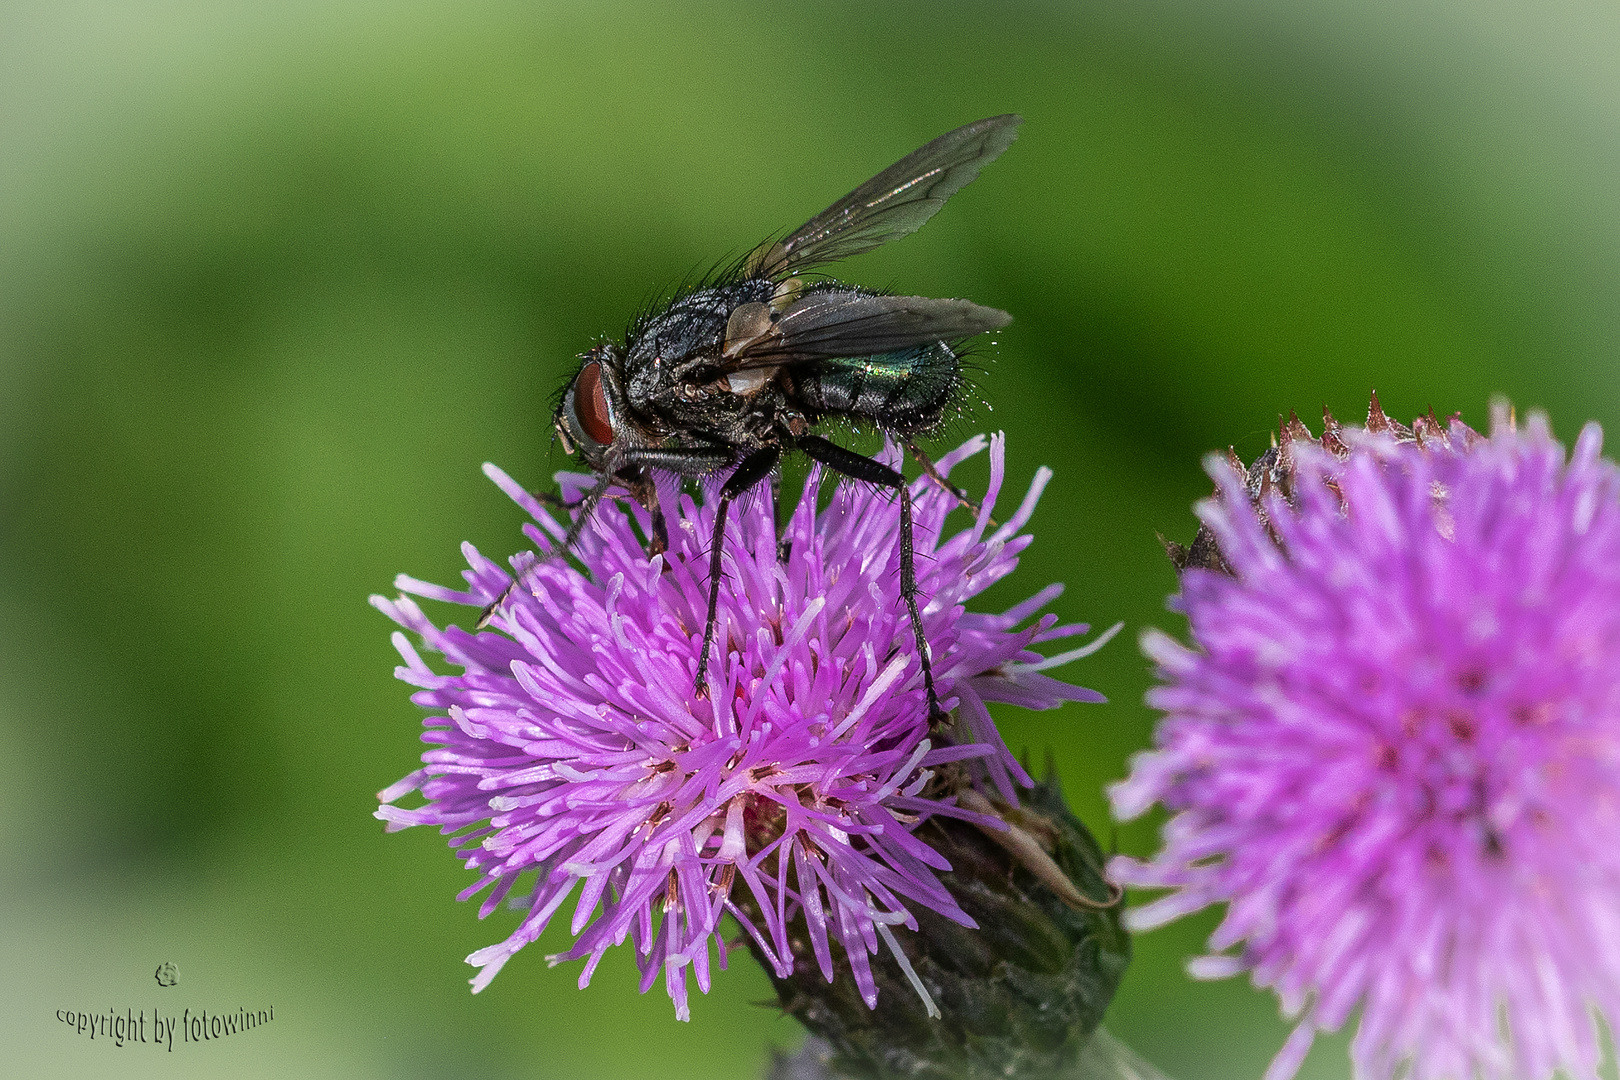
(932, 472)
(754, 468)
(857, 467)
(586, 506)
(637, 476)
(634, 476)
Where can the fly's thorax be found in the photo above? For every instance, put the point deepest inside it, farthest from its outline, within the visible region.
(744, 421)
(905, 391)
(675, 346)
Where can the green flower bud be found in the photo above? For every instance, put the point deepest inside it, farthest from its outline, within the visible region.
(1021, 996)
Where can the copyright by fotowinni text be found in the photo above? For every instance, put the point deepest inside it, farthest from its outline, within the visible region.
(134, 1028)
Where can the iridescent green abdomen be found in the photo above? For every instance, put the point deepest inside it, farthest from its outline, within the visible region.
(904, 391)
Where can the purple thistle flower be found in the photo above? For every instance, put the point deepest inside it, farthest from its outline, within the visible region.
(1394, 750)
(571, 743)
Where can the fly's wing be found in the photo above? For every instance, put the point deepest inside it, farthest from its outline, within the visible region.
(894, 203)
(828, 323)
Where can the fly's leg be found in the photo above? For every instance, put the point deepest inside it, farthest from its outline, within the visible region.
(784, 545)
(932, 472)
(587, 507)
(686, 461)
(754, 468)
(857, 467)
(660, 531)
(634, 476)
(645, 492)
(554, 501)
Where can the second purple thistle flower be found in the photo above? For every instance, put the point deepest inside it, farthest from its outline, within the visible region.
(570, 744)
(1393, 746)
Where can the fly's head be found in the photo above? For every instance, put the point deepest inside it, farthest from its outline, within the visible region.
(592, 414)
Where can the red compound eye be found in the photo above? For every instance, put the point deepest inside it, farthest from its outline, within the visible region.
(590, 405)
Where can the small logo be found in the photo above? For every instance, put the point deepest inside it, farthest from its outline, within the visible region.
(167, 974)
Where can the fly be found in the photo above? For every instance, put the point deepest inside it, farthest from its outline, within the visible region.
(738, 371)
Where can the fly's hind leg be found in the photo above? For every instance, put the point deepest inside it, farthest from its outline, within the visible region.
(857, 467)
(931, 471)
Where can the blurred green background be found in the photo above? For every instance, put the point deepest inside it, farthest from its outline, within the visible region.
(276, 279)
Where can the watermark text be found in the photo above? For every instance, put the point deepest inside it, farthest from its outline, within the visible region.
(162, 1029)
